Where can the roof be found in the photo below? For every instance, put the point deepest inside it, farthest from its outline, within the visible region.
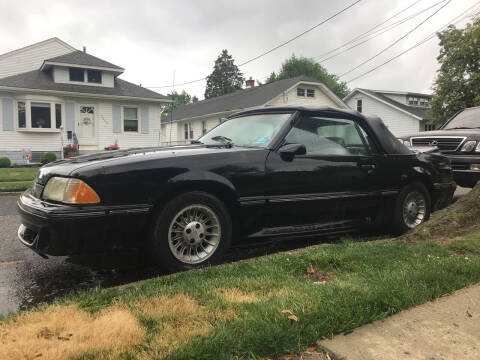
(39, 80)
(82, 58)
(417, 111)
(240, 99)
(54, 39)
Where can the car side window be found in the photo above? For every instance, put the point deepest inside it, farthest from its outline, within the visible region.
(324, 136)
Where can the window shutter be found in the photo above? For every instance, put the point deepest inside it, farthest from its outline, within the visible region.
(70, 116)
(117, 118)
(145, 119)
(7, 114)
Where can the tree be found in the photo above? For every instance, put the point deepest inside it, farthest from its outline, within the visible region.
(457, 85)
(294, 66)
(225, 78)
(178, 100)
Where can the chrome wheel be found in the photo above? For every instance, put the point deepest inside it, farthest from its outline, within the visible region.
(194, 234)
(414, 208)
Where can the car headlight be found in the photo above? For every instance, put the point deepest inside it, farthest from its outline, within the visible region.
(477, 149)
(468, 146)
(407, 143)
(70, 191)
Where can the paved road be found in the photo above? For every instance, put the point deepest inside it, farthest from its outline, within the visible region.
(26, 279)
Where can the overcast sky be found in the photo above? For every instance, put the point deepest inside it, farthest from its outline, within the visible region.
(153, 40)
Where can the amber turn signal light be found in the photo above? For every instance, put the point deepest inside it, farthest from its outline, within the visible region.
(70, 191)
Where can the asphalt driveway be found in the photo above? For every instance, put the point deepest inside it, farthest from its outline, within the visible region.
(26, 279)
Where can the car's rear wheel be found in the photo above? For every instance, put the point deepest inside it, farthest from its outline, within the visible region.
(190, 231)
(412, 207)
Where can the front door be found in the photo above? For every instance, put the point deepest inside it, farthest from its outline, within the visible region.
(86, 125)
(335, 181)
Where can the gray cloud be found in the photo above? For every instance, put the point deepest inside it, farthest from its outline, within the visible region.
(152, 39)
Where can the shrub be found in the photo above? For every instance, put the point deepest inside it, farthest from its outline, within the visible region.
(4, 162)
(48, 157)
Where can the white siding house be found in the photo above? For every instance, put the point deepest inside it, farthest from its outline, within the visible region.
(403, 112)
(191, 121)
(52, 94)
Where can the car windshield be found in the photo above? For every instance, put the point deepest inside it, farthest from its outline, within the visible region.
(467, 119)
(246, 131)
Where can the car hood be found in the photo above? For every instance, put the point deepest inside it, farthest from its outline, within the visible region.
(469, 133)
(96, 162)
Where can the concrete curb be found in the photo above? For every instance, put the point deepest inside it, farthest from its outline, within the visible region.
(10, 193)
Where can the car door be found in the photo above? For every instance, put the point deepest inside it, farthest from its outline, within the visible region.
(336, 180)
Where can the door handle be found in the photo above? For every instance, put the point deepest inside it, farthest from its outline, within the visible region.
(368, 167)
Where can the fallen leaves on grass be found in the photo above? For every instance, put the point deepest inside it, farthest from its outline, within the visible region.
(291, 315)
(61, 332)
(318, 276)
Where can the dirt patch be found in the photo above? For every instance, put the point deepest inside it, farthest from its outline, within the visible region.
(444, 225)
(181, 318)
(318, 276)
(235, 295)
(61, 332)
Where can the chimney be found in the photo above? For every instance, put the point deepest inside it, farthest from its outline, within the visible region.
(250, 83)
(84, 49)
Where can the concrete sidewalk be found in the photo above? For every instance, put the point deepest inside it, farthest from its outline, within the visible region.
(444, 329)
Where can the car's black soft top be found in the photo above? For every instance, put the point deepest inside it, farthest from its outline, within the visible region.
(388, 142)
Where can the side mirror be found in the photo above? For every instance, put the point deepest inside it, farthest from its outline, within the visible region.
(288, 152)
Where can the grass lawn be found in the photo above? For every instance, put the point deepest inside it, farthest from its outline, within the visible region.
(16, 179)
(264, 307)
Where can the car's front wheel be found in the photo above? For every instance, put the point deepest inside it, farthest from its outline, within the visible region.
(190, 231)
(412, 207)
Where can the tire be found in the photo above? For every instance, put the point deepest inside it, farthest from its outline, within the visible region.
(413, 193)
(192, 230)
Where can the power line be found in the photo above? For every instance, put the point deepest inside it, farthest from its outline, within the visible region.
(368, 31)
(396, 41)
(421, 42)
(376, 33)
(272, 49)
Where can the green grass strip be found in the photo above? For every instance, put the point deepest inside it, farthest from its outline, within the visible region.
(17, 174)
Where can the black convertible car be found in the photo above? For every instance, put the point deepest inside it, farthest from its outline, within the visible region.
(269, 172)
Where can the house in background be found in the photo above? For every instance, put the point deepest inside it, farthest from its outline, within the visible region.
(404, 113)
(52, 94)
(191, 121)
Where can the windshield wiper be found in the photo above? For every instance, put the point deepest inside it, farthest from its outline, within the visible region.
(463, 127)
(223, 139)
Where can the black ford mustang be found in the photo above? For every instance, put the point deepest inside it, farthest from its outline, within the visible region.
(269, 172)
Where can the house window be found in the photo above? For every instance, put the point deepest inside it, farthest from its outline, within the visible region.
(77, 74)
(300, 92)
(310, 93)
(130, 119)
(22, 114)
(204, 127)
(429, 127)
(94, 76)
(188, 131)
(58, 115)
(40, 115)
(359, 105)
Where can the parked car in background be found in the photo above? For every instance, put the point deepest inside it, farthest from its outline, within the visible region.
(459, 140)
(264, 173)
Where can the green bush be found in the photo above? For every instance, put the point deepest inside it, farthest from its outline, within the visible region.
(48, 157)
(4, 162)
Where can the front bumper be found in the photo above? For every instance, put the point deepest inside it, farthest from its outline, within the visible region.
(461, 166)
(57, 229)
(442, 195)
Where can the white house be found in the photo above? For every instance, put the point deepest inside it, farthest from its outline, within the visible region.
(52, 94)
(403, 112)
(191, 121)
